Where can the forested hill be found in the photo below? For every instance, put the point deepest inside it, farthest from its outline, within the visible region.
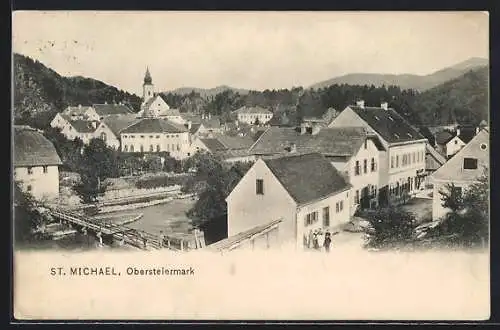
(40, 92)
(464, 100)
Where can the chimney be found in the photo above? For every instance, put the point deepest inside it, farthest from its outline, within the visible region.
(384, 105)
(360, 103)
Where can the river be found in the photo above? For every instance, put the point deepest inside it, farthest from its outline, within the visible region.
(169, 217)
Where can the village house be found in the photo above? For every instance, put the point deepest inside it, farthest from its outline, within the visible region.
(229, 148)
(83, 129)
(109, 129)
(461, 170)
(448, 143)
(36, 163)
(280, 200)
(402, 166)
(353, 151)
(156, 135)
(433, 161)
(253, 115)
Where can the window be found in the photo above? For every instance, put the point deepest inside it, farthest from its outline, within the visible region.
(45, 169)
(157, 148)
(356, 197)
(341, 205)
(365, 166)
(178, 148)
(366, 144)
(142, 148)
(151, 148)
(356, 168)
(259, 186)
(157, 136)
(470, 163)
(29, 188)
(131, 148)
(483, 146)
(103, 136)
(151, 136)
(397, 161)
(457, 191)
(337, 207)
(126, 148)
(311, 218)
(326, 216)
(392, 161)
(142, 136)
(373, 165)
(30, 170)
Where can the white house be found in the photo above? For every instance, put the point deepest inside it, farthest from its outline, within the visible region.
(353, 151)
(110, 128)
(251, 115)
(448, 143)
(82, 129)
(402, 166)
(156, 135)
(286, 199)
(229, 148)
(462, 170)
(36, 163)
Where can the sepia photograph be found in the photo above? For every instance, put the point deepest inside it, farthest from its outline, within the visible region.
(254, 165)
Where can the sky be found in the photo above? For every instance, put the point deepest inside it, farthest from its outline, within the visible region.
(252, 50)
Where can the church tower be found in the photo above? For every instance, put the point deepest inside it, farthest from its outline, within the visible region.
(147, 87)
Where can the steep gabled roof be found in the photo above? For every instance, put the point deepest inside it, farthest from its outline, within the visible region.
(307, 177)
(433, 159)
(117, 123)
(453, 169)
(83, 126)
(391, 126)
(111, 109)
(443, 137)
(31, 148)
(154, 125)
(336, 141)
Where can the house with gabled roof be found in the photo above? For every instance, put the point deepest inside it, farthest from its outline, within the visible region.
(150, 135)
(229, 148)
(353, 151)
(252, 115)
(36, 163)
(402, 167)
(463, 169)
(110, 128)
(286, 199)
(448, 143)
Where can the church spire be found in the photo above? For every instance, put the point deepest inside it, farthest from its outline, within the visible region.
(147, 77)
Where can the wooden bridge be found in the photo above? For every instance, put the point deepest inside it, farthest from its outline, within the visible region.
(125, 235)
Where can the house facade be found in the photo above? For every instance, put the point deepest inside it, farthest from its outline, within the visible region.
(156, 135)
(285, 189)
(353, 151)
(253, 115)
(447, 143)
(402, 166)
(36, 164)
(461, 170)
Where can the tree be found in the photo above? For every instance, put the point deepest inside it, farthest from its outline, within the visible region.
(467, 222)
(389, 227)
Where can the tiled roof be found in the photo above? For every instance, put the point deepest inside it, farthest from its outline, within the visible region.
(251, 110)
(111, 109)
(154, 125)
(388, 123)
(443, 137)
(234, 142)
(84, 126)
(31, 148)
(307, 177)
(337, 141)
(194, 128)
(117, 123)
(213, 145)
(453, 169)
(77, 111)
(433, 159)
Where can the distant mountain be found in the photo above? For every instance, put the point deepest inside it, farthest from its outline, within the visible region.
(464, 100)
(207, 92)
(406, 81)
(40, 92)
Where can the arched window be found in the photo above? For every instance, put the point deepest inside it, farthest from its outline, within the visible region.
(142, 148)
(157, 148)
(151, 148)
(132, 148)
(125, 148)
(178, 148)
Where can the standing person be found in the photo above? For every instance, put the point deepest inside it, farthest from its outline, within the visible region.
(328, 241)
(315, 241)
(310, 239)
(321, 239)
(162, 239)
